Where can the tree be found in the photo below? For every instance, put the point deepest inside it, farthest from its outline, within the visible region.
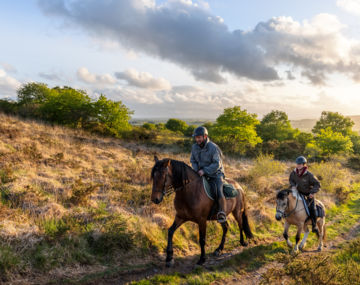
(275, 126)
(32, 92)
(176, 125)
(149, 126)
(336, 121)
(331, 142)
(190, 131)
(113, 114)
(234, 130)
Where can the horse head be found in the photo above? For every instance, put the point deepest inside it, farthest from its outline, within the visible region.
(161, 176)
(282, 203)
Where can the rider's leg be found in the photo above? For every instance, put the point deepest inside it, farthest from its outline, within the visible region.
(221, 216)
(312, 210)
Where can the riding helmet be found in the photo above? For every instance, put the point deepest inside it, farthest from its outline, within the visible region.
(301, 160)
(200, 131)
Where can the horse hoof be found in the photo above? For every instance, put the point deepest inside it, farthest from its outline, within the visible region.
(319, 249)
(170, 263)
(201, 262)
(217, 252)
(244, 243)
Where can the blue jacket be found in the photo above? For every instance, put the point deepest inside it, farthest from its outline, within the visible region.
(207, 158)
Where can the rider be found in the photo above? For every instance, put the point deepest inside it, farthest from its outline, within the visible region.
(206, 161)
(307, 184)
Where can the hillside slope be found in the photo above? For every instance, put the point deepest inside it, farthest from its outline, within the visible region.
(77, 207)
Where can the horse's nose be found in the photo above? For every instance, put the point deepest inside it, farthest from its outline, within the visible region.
(278, 217)
(156, 200)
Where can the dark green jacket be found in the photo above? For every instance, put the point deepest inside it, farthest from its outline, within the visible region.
(306, 184)
(207, 158)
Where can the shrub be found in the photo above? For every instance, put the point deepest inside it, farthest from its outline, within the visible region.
(234, 130)
(176, 125)
(265, 165)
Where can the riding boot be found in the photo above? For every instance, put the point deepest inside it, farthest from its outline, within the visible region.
(221, 215)
(312, 210)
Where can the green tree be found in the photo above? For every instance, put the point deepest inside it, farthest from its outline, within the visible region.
(235, 130)
(149, 126)
(331, 142)
(275, 126)
(66, 106)
(113, 114)
(32, 92)
(190, 131)
(336, 121)
(176, 125)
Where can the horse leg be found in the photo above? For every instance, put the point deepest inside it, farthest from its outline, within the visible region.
(321, 226)
(169, 250)
(237, 215)
(225, 227)
(297, 238)
(202, 237)
(306, 234)
(286, 235)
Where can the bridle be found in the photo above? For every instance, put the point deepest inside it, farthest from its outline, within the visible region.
(169, 189)
(292, 211)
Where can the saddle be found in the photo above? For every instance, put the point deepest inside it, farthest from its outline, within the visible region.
(320, 211)
(229, 190)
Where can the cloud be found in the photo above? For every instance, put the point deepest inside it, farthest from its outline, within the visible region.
(49, 76)
(8, 85)
(143, 80)
(84, 75)
(350, 6)
(188, 34)
(8, 67)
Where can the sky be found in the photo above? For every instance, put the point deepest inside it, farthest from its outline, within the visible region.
(189, 59)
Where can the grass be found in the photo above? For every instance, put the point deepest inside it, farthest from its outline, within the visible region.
(73, 200)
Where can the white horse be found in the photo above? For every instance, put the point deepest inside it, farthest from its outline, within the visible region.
(290, 206)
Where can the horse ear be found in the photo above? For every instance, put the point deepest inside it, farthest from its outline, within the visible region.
(168, 163)
(156, 158)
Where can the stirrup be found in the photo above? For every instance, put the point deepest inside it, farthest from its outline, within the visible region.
(221, 217)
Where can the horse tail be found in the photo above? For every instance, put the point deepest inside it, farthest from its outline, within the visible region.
(245, 222)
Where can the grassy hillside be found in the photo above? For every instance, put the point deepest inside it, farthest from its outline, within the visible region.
(75, 208)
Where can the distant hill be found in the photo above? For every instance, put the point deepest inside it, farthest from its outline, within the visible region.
(307, 124)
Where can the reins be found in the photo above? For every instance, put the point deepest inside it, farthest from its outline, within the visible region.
(293, 210)
(168, 190)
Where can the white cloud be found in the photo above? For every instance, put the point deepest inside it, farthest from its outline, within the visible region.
(188, 34)
(8, 67)
(350, 6)
(143, 80)
(8, 85)
(84, 75)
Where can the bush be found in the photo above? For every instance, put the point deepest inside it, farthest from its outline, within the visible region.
(288, 150)
(331, 142)
(149, 126)
(353, 162)
(266, 165)
(176, 125)
(234, 130)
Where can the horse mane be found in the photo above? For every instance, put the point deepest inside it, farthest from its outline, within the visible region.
(179, 174)
(284, 193)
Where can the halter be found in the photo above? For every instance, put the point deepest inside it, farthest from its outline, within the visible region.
(291, 212)
(168, 190)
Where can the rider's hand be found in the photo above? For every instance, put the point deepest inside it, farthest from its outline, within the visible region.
(201, 172)
(311, 196)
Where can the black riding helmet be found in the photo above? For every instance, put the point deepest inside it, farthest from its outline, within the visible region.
(301, 160)
(200, 131)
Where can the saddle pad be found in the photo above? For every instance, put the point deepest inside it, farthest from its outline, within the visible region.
(229, 190)
(319, 209)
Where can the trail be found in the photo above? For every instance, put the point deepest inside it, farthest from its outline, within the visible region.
(185, 265)
(255, 277)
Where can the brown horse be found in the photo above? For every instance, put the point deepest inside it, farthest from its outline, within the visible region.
(192, 203)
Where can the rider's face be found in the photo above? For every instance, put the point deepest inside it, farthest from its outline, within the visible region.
(200, 139)
(299, 166)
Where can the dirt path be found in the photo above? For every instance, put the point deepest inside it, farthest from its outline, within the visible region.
(255, 277)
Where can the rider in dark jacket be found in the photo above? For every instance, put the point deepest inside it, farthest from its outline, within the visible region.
(307, 184)
(206, 160)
